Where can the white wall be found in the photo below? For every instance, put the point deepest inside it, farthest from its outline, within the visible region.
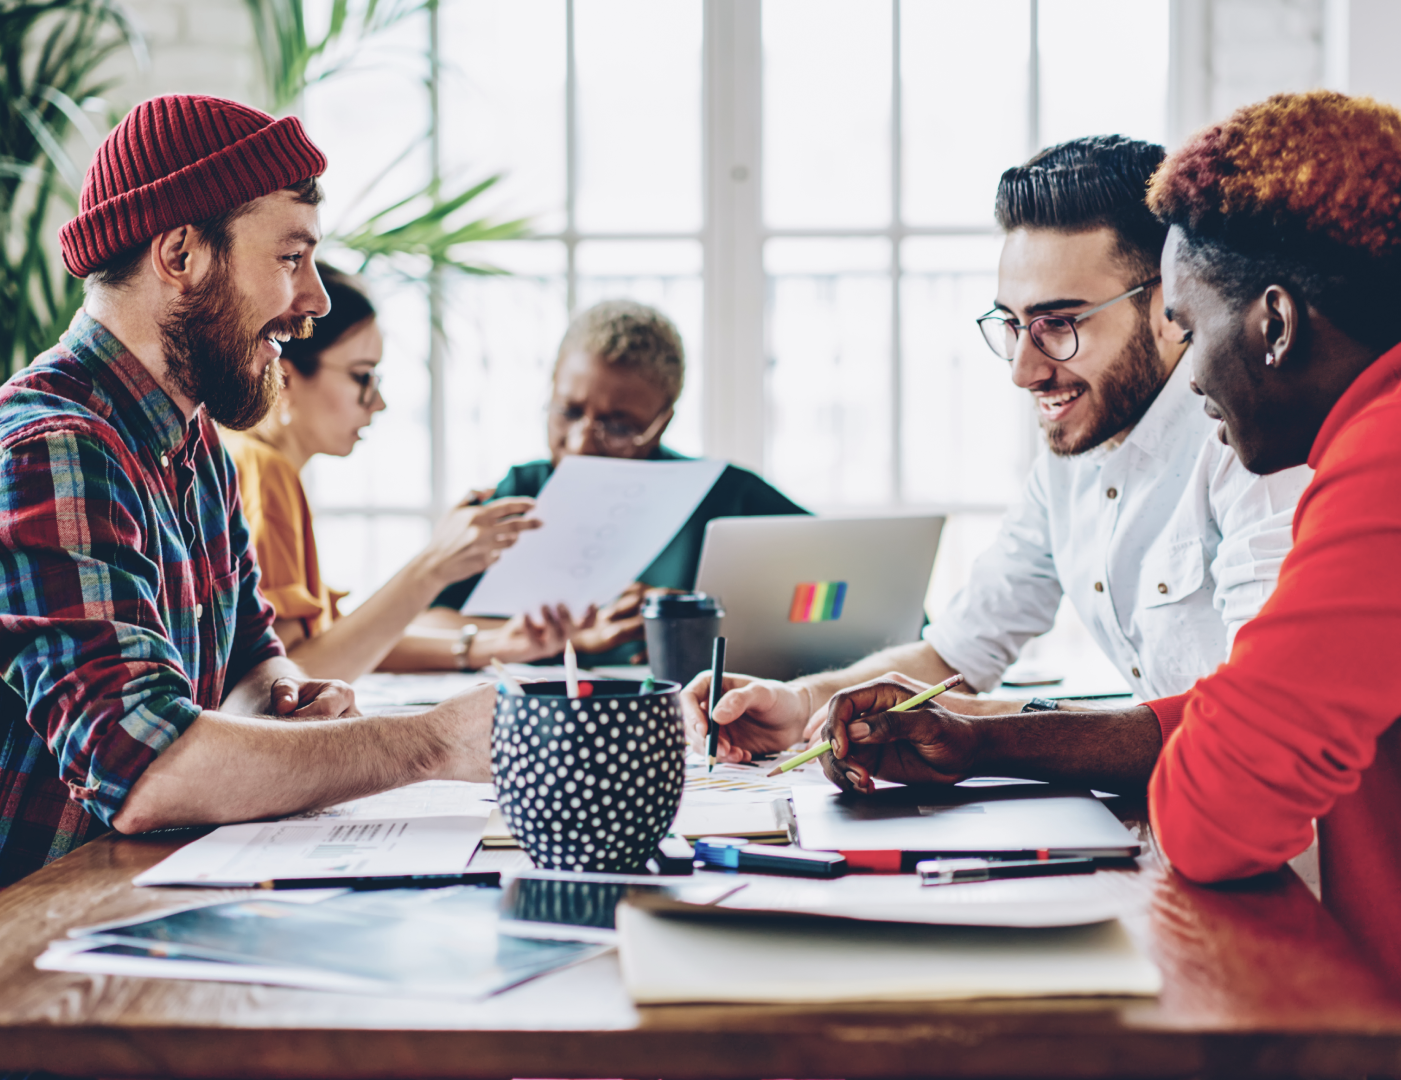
(1228, 53)
(195, 47)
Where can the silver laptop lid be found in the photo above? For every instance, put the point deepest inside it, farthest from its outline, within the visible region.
(804, 594)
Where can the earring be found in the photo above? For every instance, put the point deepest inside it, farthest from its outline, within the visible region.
(285, 416)
(1269, 362)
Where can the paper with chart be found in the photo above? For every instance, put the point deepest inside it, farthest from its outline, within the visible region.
(605, 520)
(241, 856)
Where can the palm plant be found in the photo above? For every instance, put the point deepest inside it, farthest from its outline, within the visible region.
(431, 227)
(50, 53)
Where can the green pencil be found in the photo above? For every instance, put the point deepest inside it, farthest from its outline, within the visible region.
(909, 703)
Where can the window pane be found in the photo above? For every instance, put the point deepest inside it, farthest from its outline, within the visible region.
(828, 388)
(502, 335)
(667, 275)
(389, 468)
(826, 113)
(502, 102)
(639, 112)
(964, 69)
(1124, 91)
(359, 553)
(967, 430)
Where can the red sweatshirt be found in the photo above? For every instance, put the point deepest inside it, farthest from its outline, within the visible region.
(1301, 723)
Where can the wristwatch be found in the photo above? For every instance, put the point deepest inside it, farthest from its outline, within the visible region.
(1041, 704)
(462, 647)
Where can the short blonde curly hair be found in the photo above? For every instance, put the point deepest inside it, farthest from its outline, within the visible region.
(1300, 190)
(631, 335)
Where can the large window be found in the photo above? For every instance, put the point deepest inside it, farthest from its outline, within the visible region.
(804, 186)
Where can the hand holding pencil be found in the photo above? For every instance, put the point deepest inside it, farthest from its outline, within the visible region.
(878, 730)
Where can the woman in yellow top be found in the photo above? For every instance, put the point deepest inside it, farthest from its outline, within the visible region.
(331, 392)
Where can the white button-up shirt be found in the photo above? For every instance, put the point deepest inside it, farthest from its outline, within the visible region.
(1165, 544)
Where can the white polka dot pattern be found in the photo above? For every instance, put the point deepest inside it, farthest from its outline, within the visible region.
(590, 783)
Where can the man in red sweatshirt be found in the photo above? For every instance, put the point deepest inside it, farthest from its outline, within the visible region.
(1282, 266)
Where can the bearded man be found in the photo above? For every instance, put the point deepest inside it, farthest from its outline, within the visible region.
(1162, 540)
(143, 683)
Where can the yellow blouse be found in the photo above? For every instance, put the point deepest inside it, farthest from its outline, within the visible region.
(279, 518)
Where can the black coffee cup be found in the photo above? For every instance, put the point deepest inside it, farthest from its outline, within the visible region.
(681, 632)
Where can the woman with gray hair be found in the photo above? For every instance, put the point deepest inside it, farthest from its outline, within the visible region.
(618, 375)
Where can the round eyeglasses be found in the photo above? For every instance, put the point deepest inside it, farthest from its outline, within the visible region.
(1055, 335)
(613, 434)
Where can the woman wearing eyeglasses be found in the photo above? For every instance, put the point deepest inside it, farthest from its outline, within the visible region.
(619, 373)
(331, 393)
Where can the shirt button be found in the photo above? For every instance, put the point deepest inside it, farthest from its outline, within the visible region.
(1136, 673)
(199, 612)
(165, 461)
(1099, 586)
(1113, 493)
(1162, 588)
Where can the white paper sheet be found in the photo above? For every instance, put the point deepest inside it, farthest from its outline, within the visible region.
(605, 520)
(235, 856)
(428, 798)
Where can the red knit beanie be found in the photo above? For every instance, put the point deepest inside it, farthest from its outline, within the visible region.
(178, 160)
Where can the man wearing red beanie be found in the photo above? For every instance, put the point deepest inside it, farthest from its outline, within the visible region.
(143, 683)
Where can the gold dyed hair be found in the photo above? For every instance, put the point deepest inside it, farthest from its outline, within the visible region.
(1319, 164)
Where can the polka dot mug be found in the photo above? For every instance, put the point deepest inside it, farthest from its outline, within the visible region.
(590, 783)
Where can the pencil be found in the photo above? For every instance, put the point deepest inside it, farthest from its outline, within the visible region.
(717, 679)
(909, 703)
(571, 670)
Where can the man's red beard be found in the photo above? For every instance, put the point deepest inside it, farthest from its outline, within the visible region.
(212, 353)
(1123, 395)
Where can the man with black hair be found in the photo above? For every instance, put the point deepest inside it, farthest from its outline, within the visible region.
(1164, 543)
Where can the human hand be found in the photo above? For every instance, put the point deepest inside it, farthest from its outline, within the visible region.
(521, 639)
(923, 745)
(304, 699)
(471, 537)
(601, 629)
(812, 730)
(464, 723)
(756, 716)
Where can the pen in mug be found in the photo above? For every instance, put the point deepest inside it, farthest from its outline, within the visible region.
(909, 703)
(717, 679)
(571, 670)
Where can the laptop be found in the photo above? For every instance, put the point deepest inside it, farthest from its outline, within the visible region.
(804, 594)
(1006, 819)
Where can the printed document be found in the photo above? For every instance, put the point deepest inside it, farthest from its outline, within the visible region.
(244, 856)
(605, 520)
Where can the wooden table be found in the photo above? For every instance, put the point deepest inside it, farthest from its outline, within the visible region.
(1258, 982)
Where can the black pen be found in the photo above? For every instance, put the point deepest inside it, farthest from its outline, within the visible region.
(397, 881)
(717, 678)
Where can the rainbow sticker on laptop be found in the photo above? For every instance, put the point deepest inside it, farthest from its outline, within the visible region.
(817, 601)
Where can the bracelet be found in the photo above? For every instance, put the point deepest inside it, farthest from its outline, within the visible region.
(1041, 704)
(462, 647)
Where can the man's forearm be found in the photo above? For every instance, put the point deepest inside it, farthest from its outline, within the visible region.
(918, 660)
(1112, 751)
(231, 768)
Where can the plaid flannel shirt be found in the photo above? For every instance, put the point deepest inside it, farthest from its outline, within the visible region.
(129, 594)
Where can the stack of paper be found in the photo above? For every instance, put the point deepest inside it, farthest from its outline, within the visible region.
(670, 959)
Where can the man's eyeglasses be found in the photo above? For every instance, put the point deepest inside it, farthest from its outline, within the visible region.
(1054, 335)
(612, 433)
